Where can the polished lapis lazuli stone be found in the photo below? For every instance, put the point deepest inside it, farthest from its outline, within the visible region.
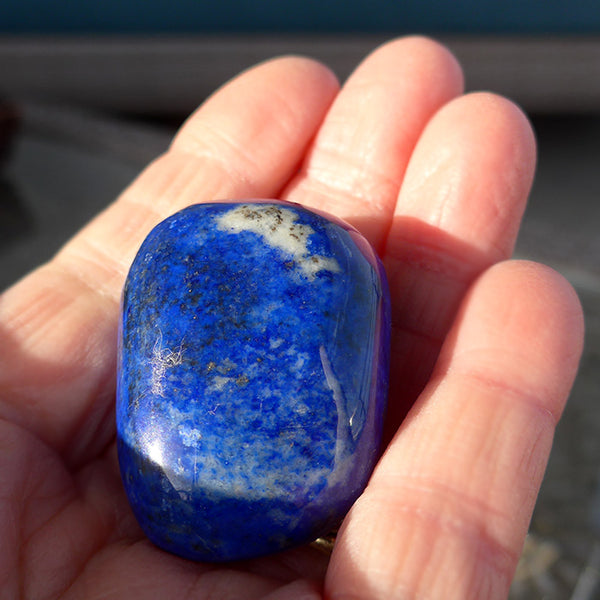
(253, 366)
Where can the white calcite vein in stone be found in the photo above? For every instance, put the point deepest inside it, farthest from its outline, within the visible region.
(278, 227)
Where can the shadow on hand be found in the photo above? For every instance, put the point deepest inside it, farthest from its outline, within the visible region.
(429, 272)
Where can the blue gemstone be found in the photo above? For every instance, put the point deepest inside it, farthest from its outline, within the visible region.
(253, 367)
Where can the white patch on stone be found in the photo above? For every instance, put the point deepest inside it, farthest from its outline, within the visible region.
(226, 366)
(338, 397)
(163, 359)
(301, 358)
(219, 382)
(278, 227)
(301, 409)
(175, 415)
(190, 436)
(275, 343)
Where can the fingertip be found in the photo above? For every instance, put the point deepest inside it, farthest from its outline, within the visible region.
(521, 322)
(308, 65)
(543, 292)
(507, 123)
(432, 56)
(297, 69)
(472, 171)
(558, 307)
(300, 92)
(434, 60)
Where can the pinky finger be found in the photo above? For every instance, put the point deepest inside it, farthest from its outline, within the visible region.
(446, 512)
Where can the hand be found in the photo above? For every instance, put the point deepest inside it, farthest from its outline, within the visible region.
(484, 350)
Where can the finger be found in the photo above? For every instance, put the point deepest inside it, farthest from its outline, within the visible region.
(447, 509)
(245, 141)
(356, 164)
(458, 212)
(58, 326)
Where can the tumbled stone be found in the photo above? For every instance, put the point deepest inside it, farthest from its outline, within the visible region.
(253, 366)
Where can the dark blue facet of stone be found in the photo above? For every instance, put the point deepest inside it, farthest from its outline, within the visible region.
(253, 367)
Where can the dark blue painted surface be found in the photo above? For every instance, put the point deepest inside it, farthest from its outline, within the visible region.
(191, 16)
(253, 375)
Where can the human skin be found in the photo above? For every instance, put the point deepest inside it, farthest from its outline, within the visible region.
(484, 349)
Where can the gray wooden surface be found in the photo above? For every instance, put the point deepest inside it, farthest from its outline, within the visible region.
(169, 75)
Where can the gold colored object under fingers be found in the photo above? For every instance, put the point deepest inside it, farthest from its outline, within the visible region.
(325, 544)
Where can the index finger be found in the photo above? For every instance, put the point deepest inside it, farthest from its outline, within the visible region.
(58, 326)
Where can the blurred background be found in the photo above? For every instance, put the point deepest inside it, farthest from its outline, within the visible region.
(92, 91)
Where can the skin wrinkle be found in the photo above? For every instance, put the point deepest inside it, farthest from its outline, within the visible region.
(151, 216)
(88, 261)
(219, 171)
(359, 137)
(32, 503)
(86, 479)
(491, 557)
(158, 181)
(443, 175)
(488, 381)
(493, 226)
(29, 321)
(361, 180)
(83, 495)
(73, 591)
(403, 484)
(192, 179)
(137, 220)
(186, 176)
(30, 536)
(539, 445)
(531, 413)
(221, 151)
(117, 244)
(478, 505)
(492, 564)
(88, 293)
(421, 262)
(102, 557)
(24, 391)
(86, 352)
(74, 548)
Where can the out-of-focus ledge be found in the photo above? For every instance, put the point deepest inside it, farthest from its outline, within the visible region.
(164, 75)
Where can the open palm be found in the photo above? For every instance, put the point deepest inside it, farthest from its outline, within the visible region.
(484, 350)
